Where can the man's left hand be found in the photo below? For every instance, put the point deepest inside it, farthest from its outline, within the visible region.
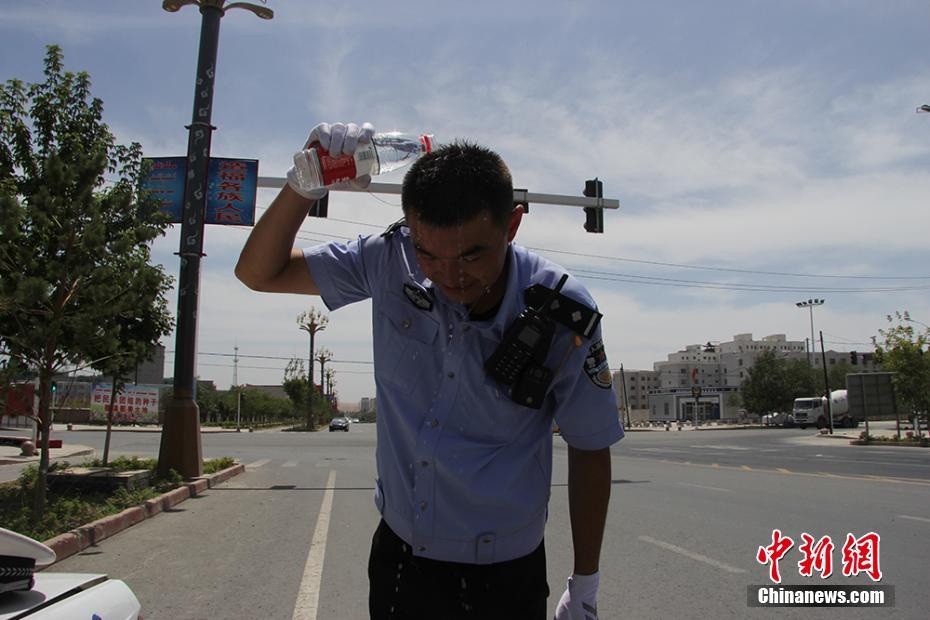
(579, 602)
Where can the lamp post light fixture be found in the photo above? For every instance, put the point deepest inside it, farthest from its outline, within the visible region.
(181, 448)
(311, 322)
(923, 108)
(809, 304)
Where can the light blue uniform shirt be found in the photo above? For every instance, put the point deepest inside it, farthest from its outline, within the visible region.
(463, 471)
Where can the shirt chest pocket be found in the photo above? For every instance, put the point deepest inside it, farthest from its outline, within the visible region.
(406, 343)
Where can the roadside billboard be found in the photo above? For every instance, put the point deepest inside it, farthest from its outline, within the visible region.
(134, 404)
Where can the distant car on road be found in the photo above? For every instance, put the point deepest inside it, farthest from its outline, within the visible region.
(339, 424)
(778, 418)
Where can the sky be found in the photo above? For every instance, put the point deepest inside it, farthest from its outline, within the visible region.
(763, 153)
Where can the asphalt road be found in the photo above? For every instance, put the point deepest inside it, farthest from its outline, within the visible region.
(688, 513)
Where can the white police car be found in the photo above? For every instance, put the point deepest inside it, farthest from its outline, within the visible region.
(56, 596)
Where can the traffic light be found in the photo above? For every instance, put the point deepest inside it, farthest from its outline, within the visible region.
(594, 216)
(521, 203)
(853, 358)
(54, 387)
(320, 208)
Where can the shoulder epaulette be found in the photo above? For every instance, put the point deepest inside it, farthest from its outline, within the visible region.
(563, 310)
(393, 228)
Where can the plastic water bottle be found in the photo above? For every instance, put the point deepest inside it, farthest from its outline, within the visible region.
(316, 168)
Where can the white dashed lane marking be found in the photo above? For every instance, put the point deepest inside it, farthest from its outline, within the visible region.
(308, 596)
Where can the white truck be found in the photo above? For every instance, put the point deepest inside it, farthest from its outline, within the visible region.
(813, 410)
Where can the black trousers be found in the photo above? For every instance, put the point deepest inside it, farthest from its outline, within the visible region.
(405, 587)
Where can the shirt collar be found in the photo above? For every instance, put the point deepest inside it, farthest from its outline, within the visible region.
(511, 302)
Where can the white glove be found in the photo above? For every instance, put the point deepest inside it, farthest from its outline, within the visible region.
(579, 602)
(338, 139)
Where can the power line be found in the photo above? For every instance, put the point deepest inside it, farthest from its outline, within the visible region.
(769, 288)
(727, 269)
(276, 357)
(680, 282)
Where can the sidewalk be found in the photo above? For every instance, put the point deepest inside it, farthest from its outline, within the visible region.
(12, 455)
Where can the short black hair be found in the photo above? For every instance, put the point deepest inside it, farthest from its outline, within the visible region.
(456, 183)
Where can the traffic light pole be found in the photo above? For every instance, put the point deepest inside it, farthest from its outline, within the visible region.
(519, 195)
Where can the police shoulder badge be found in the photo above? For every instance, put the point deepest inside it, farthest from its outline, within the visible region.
(596, 366)
(418, 297)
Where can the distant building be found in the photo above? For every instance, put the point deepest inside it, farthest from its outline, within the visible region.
(679, 404)
(638, 385)
(366, 404)
(720, 369)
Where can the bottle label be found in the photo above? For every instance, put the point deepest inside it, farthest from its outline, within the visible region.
(347, 167)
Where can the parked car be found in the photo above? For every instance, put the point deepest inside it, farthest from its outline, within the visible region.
(778, 418)
(56, 596)
(339, 424)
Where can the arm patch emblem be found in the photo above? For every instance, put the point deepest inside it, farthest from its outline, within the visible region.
(596, 366)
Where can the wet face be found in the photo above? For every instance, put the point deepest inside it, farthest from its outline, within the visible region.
(466, 261)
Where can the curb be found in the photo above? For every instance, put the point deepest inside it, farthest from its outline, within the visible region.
(888, 444)
(78, 539)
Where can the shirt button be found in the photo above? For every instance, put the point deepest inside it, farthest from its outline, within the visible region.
(466, 328)
(424, 463)
(421, 548)
(451, 375)
(423, 505)
(406, 323)
(434, 423)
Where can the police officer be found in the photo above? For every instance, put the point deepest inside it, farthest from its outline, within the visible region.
(464, 472)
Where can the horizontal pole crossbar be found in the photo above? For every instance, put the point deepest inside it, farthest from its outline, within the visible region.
(518, 195)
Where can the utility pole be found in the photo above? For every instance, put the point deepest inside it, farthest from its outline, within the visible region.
(236, 385)
(181, 448)
(826, 383)
(626, 402)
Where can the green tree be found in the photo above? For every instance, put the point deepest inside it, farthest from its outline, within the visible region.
(131, 333)
(259, 407)
(297, 386)
(905, 351)
(208, 401)
(764, 388)
(837, 375)
(66, 230)
(801, 380)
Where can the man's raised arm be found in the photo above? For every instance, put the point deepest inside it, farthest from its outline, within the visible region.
(269, 262)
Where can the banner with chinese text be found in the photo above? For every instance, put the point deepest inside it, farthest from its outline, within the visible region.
(232, 185)
(135, 404)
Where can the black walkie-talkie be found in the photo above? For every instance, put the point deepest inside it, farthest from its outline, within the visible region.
(519, 359)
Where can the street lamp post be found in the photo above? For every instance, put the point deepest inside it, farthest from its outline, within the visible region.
(809, 304)
(311, 322)
(323, 356)
(180, 439)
